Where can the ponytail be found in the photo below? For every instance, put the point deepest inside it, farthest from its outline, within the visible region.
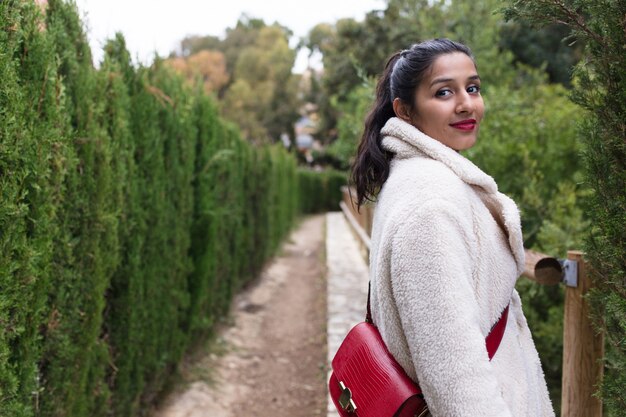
(371, 166)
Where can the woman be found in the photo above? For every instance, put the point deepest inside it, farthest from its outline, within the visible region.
(446, 246)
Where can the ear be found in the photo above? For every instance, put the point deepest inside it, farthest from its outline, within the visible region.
(401, 110)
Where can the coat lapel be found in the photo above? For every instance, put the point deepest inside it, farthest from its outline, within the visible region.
(406, 141)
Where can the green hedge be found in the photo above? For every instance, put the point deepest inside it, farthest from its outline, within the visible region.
(130, 215)
(320, 190)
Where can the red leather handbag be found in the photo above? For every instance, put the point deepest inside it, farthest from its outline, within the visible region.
(366, 380)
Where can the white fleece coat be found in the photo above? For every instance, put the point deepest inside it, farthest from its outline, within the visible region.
(446, 251)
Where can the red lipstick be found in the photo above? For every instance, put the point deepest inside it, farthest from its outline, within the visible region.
(468, 124)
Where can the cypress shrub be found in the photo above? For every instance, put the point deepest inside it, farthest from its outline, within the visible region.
(273, 193)
(178, 152)
(266, 199)
(223, 195)
(130, 216)
(123, 323)
(202, 279)
(76, 357)
(150, 143)
(248, 250)
(32, 155)
(320, 191)
(259, 208)
(600, 88)
(157, 286)
(249, 215)
(237, 209)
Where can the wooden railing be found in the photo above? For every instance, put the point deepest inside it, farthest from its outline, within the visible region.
(583, 347)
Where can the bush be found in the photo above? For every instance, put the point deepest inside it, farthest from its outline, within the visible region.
(529, 144)
(131, 214)
(320, 191)
(34, 160)
(600, 87)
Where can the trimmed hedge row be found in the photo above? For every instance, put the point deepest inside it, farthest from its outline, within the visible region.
(320, 190)
(130, 215)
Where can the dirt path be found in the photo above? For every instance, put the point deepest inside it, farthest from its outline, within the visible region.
(271, 362)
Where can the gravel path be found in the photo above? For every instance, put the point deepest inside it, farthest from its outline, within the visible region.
(271, 361)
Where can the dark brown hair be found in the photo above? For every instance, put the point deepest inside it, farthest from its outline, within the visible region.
(402, 75)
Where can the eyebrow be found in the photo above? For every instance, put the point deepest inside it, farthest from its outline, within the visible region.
(446, 80)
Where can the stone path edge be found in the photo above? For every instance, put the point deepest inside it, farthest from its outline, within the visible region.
(347, 283)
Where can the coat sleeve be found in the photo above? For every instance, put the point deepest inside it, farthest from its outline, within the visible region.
(431, 270)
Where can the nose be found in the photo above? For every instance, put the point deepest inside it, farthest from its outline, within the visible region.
(465, 104)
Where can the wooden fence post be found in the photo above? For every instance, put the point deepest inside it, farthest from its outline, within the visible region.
(583, 350)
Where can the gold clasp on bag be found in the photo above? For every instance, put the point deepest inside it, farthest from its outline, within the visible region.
(345, 399)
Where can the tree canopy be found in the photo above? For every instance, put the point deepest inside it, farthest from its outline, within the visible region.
(250, 72)
(600, 88)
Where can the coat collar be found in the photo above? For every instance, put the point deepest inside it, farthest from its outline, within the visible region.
(406, 141)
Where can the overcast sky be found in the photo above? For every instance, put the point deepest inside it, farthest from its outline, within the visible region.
(159, 25)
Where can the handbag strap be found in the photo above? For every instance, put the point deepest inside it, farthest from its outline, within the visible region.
(368, 313)
(496, 333)
(492, 340)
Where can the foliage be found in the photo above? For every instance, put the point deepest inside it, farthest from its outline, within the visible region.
(208, 66)
(314, 198)
(131, 213)
(34, 159)
(241, 36)
(351, 114)
(551, 47)
(261, 95)
(86, 249)
(528, 139)
(528, 143)
(600, 87)
(193, 44)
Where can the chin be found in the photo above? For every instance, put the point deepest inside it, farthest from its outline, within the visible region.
(464, 144)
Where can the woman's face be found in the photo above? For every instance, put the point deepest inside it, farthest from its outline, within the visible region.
(448, 105)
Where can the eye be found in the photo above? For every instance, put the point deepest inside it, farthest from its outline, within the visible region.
(473, 89)
(443, 92)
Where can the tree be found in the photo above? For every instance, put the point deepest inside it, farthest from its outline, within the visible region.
(208, 66)
(600, 87)
(193, 44)
(35, 158)
(86, 250)
(551, 46)
(262, 99)
(256, 88)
